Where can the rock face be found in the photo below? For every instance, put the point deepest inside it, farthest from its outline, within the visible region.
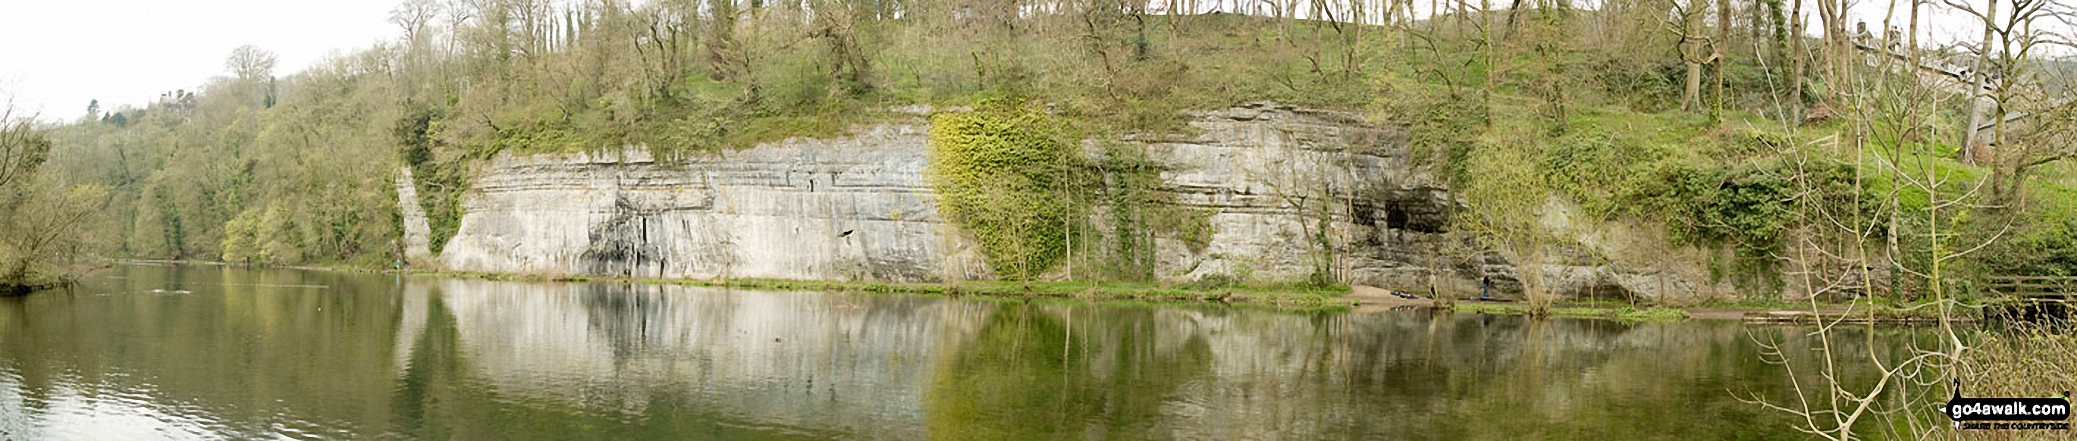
(854, 208)
(417, 235)
(1292, 193)
(1288, 194)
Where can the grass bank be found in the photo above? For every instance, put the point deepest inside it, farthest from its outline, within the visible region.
(1877, 310)
(1858, 311)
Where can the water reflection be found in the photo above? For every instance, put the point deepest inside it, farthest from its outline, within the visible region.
(1026, 375)
(299, 354)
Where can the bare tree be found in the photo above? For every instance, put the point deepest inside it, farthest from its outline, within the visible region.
(249, 62)
(1891, 108)
(415, 17)
(22, 147)
(2011, 109)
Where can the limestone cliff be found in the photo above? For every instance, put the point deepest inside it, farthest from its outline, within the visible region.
(779, 210)
(1289, 193)
(417, 235)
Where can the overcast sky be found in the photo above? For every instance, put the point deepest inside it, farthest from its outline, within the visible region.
(55, 55)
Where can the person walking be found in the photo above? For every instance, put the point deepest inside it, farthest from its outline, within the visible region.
(1435, 296)
(1485, 288)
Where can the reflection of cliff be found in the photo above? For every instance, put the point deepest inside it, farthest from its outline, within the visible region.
(254, 354)
(440, 393)
(712, 363)
(813, 362)
(1028, 374)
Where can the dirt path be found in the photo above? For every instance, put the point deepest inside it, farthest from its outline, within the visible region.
(1372, 299)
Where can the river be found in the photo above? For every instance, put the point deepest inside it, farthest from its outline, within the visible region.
(207, 352)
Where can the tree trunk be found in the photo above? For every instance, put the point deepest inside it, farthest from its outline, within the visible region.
(1796, 57)
(720, 44)
(1690, 94)
(1690, 46)
(1723, 37)
(1485, 9)
(1969, 138)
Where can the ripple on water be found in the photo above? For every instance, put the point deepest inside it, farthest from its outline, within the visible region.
(98, 412)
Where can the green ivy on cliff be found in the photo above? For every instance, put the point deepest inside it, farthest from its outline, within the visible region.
(1000, 174)
(441, 180)
(1139, 212)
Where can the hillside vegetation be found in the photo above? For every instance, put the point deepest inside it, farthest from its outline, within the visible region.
(1812, 164)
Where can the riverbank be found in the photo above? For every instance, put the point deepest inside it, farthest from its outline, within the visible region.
(1279, 296)
(1290, 296)
(1624, 313)
(1858, 311)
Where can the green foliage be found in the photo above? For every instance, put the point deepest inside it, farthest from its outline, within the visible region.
(1738, 205)
(1727, 190)
(1579, 166)
(43, 223)
(1745, 207)
(1443, 126)
(441, 187)
(1000, 174)
(2045, 250)
(260, 236)
(1506, 186)
(46, 232)
(441, 183)
(183, 168)
(240, 235)
(1642, 85)
(1628, 314)
(1009, 175)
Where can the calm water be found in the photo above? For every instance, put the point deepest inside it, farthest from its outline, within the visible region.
(208, 352)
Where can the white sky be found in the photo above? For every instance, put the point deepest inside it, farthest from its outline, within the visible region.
(55, 55)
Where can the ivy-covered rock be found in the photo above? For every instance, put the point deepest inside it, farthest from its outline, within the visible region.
(1000, 173)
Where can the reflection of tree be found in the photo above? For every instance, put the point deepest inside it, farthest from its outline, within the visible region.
(1030, 373)
(434, 360)
(232, 346)
(33, 378)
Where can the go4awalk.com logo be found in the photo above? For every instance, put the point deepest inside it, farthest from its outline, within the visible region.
(2008, 413)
